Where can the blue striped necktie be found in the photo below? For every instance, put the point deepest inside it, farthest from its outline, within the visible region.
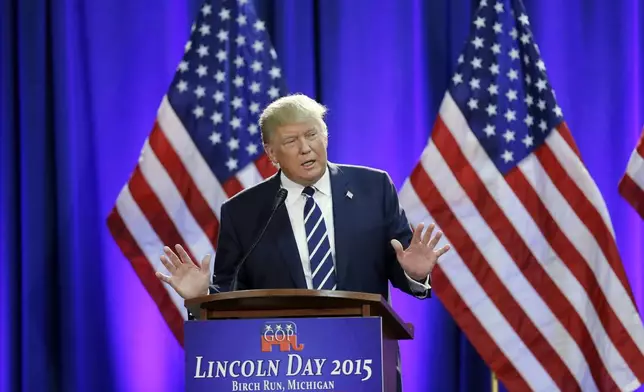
(318, 243)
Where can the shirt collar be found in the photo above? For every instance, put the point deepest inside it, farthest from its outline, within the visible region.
(323, 185)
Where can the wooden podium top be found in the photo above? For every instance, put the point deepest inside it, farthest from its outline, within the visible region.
(299, 303)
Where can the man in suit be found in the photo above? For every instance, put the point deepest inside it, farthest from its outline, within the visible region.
(340, 227)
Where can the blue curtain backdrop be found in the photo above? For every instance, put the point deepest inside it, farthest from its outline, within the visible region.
(80, 82)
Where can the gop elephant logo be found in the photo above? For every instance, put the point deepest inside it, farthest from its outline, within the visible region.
(283, 335)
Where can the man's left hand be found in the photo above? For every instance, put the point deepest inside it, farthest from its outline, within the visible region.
(419, 258)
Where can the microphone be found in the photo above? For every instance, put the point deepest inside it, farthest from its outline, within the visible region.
(279, 199)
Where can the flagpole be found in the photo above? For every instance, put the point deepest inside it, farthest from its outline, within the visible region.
(495, 383)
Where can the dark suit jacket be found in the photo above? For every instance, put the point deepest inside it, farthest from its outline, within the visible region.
(363, 224)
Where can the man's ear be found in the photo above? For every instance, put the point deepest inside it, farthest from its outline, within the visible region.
(270, 153)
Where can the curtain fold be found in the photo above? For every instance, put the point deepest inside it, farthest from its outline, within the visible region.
(53, 302)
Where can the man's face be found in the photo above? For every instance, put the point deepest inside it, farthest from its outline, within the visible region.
(300, 150)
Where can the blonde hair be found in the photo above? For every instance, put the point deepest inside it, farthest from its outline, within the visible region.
(290, 109)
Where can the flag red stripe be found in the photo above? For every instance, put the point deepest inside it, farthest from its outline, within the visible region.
(567, 137)
(516, 247)
(575, 262)
(190, 194)
(154, 212)
(485, 275)
(632, 193)
(265, 167)
(593, 220)
(640, 146)
(470, 325)
(145, 271)
(232, 186)
(584, 210)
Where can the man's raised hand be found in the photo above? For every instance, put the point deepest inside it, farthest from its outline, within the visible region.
(419, 258)
(188, 279)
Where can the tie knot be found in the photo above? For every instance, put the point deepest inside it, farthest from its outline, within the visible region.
(308, 191)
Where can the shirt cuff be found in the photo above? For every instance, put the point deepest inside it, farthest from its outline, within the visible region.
(417, 287)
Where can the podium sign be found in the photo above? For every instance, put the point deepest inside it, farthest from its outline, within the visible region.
(300, 354)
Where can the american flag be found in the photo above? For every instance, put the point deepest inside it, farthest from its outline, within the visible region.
(631, 185)
(535, 279)
(204, 147)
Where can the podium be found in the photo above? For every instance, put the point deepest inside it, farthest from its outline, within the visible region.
(292, 340)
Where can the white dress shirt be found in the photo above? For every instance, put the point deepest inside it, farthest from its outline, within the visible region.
(295, 207)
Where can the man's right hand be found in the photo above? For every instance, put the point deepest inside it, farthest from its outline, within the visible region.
(188, 279)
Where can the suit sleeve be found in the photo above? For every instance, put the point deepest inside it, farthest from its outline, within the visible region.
(398, 227)
(228, 254)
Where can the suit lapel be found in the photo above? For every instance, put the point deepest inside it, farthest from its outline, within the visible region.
(341, 220)
(286, 241)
